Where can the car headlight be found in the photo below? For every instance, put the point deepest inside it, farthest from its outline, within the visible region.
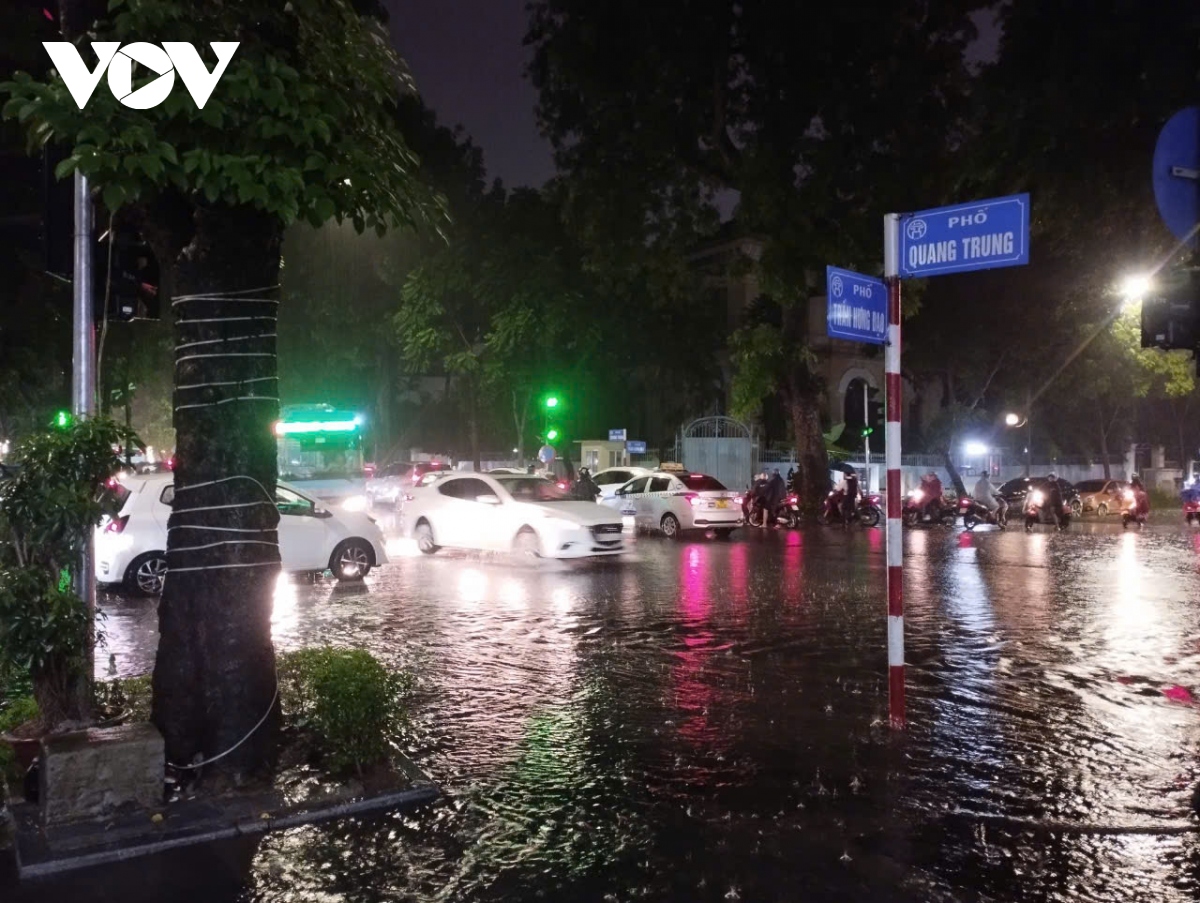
(355, 503)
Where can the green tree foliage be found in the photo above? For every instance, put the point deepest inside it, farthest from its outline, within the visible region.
(654, 109)
(492, 310)
(302, 126)
(1069, 112)
(55, 499)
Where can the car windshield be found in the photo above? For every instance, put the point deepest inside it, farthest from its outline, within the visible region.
(1090, 485)
(698, 482)
(1015, 485)
(532, 489)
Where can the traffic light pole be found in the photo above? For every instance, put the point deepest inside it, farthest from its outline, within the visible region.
(83, 376)
(895, 498)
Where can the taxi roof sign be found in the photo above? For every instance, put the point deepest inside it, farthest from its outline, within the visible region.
(672, 467)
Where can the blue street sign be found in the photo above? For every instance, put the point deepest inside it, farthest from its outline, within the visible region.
(1177, 172)
(857, 307)
(634, 447)
(981, 235)
(616, 435)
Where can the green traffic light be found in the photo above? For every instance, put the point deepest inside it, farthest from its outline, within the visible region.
(552, 401)
(868, 431)
(62, 420)
(551, 435)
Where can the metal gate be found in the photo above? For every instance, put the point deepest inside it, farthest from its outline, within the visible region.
(720, 447)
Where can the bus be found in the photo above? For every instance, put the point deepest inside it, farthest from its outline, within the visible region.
(320, 451)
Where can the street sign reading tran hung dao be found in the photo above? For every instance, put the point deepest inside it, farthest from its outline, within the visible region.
(857, 307)
(981, 235)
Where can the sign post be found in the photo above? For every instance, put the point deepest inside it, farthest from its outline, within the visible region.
(895, 514)
(962, 238)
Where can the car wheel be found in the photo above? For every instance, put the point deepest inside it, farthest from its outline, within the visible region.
(1102, 509)
(424, 536)
(352, 560)
(670, 526)
(527, 545)
(146, 574)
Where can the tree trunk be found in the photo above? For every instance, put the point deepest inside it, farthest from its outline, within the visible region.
(812, 462)
(520, 413)
(214, 676)
(955, 476)
(473, 422)
(1104, 449)
(383, 401)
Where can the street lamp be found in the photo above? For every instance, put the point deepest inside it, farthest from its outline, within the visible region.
(1135, 286)
(552, 401)
(1013, 419)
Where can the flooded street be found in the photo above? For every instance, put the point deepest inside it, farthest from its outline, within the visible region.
(707, 721)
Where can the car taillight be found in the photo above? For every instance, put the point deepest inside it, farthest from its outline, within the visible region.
(117, 524)
(694, 500)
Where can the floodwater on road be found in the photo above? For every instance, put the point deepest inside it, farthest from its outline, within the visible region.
(708, 721)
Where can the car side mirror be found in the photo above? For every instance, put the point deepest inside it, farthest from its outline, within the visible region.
(321, 512)
(488, 499)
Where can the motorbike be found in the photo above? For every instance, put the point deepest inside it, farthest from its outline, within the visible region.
(1131, 512)
(869, 511)
(974, 513)
(786, 514)
(1035, 502)
(914, 510)
(1191, 509)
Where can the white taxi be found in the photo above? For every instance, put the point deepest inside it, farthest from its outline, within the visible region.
(674, 500)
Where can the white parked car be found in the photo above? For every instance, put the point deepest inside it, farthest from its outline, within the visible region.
(675, 500)
(131, 548)
(613, 478)
(509, 513)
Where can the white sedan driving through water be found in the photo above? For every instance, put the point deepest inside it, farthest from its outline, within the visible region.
(519, 513)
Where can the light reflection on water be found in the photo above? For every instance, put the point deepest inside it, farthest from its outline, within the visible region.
(704, 720)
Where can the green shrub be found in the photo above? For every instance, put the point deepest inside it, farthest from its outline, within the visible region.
(132, 693)
(15, 712)
(350, 702)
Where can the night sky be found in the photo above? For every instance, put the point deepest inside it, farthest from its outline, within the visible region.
(468, 60)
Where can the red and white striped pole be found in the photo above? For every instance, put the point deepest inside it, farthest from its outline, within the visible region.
(895, 497)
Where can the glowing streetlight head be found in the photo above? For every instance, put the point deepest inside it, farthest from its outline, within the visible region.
(1012, 419)
(976, 449)
(552, 435)
(1134, 287)
(552, 401)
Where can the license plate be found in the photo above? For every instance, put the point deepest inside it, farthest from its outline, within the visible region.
(722, 504)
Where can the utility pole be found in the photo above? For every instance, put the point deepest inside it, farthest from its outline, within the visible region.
(83, 375)
(867, 434)
(1028, 432)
